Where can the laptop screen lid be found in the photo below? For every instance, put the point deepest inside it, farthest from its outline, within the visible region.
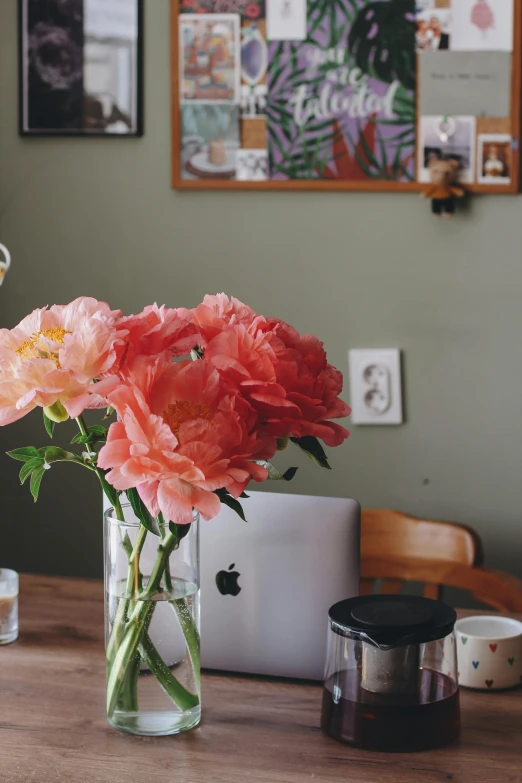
(267, 584)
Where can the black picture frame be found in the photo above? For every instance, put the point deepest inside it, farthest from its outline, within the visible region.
(24, 66)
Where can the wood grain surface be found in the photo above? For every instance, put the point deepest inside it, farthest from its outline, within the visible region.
(53, 727)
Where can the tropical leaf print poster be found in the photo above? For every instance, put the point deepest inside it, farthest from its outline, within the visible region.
(341, 103)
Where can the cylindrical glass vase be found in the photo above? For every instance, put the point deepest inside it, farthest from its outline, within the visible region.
(152, 625)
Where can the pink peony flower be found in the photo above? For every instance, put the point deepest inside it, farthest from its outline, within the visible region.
(283, 375)
(182, 435)
(54, 355)
(310, 383)
(218, 311)
(155, 330)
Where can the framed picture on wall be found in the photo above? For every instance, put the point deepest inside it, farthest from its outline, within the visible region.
(81, 68)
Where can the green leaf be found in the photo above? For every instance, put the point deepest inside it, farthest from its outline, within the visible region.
(313, 449)
(95, 434)
(36, 480)
(49, 425)
(55, 454)
(180, 531)
(231, 502)
(275, 474)
(112, 494)
(24, 454)
(141, 511)
(79, 438)
(29, 467)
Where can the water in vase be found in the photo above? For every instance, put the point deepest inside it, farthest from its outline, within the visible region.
(159, 692)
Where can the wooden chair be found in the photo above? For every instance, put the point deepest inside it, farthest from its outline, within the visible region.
(398, 548)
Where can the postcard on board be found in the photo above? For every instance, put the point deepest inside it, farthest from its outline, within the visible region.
(286, 20)
(209, 140)
(248, 9)
(476, 83)
(482, 25)
(460, 146)
(252, 165)
(254, 62)
(494, 159)
(209, 58)
(433, 30)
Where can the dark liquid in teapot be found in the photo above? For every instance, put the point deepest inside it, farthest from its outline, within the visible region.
(397, 722)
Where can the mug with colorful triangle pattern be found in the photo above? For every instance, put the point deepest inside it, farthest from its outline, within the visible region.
(489, 652)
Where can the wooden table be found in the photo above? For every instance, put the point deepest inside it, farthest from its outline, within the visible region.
(53, 727)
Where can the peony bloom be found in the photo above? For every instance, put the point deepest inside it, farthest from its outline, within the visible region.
(155, 330)
(218, 311)
(311, 385)
(181, 435)
(54, 355)
(283, 375)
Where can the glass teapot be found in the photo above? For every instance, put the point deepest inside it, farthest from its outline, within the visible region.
(391, 679)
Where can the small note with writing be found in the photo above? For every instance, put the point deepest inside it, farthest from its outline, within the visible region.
(472, 83)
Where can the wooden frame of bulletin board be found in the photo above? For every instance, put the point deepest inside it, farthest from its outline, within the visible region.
(343, 152)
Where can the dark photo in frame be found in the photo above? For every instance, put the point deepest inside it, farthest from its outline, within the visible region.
(81, 68)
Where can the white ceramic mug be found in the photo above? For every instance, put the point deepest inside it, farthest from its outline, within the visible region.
(489, 652)
(4, 264)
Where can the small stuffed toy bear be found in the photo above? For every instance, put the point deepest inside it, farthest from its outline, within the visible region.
(443, 190)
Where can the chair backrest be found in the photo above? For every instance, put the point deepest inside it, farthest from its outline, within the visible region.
(398, 548)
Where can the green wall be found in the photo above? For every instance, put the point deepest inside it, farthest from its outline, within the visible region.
(99, 218)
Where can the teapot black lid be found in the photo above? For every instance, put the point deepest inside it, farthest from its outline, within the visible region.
(392, 620)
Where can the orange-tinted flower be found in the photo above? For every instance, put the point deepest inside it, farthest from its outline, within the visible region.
(182, 434)
(55, 355)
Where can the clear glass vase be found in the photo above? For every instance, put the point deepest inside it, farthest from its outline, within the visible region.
(152, 625)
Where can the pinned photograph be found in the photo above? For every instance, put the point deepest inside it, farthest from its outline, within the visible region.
(433, 30)
(254, 62)
(209, 141)
(286, 20)
(247, 9)
(252, 165)
(443, 138)
(494, 159)
(480, 25)
(81, 67)
(424, 5)
(209, 58)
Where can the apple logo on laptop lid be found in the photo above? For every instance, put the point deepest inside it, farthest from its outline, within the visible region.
(226, 581)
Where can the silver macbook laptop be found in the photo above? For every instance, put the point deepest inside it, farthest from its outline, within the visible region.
(267, 584)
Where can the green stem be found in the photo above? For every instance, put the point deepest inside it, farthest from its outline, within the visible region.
(179, 695)
(128, 699)
(191, 634)
(113, 497)
(134, 580)
(136, 625)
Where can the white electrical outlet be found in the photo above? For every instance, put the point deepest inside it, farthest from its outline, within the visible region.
(375, 386)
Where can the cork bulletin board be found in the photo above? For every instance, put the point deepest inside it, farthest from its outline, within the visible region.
(345, 94)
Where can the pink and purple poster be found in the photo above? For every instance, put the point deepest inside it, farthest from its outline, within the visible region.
(341, 103)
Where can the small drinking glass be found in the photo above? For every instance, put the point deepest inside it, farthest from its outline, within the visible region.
(8, 606)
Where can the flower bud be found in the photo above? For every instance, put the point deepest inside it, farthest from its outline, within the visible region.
(56, 412)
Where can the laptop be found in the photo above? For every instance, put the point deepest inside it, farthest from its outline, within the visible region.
(267, 584)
